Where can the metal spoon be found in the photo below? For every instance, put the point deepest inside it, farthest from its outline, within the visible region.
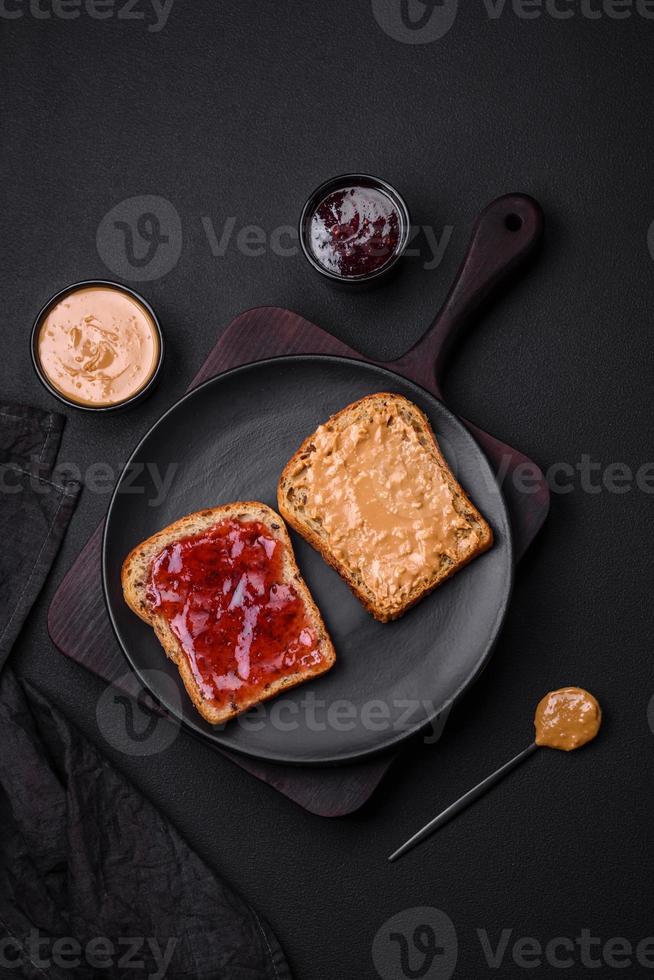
(464, 801)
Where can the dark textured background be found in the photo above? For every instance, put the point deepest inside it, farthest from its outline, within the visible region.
(240, 109)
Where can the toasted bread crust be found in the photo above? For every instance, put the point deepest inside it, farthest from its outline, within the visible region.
(379, 607)
(134, 578)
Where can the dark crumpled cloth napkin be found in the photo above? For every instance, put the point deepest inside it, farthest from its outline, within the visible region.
(35, 508)
(94, 882)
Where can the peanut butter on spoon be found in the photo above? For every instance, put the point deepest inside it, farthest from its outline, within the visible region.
(567, 719)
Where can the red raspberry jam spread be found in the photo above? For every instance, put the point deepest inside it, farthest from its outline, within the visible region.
(355, 231)
(240, 625)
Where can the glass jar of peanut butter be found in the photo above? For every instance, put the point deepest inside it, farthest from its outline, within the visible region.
(97, 346)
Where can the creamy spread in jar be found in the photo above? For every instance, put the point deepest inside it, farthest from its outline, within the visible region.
(566, 719)
(382, 500)
(98, 346)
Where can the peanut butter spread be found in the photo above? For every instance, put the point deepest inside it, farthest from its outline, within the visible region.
(375, 489)
(567, 719)
(98, 346)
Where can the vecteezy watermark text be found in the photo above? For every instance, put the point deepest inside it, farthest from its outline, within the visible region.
(153, 13)
(567, 9)
(155, 482)
(425, 21)
(565, 952)
(133, 724)
(425, 241)
(40, 952)
(141, 479)
(310, 713)
(588, 475)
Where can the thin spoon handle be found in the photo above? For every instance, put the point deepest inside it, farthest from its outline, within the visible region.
(463, 802)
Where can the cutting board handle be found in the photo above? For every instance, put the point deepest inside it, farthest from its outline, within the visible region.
(504, 236)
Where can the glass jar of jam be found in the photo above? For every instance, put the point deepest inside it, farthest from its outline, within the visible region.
(354, 228)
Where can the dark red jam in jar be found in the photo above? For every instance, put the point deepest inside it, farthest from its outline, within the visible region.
(355, 231)
(224, 596)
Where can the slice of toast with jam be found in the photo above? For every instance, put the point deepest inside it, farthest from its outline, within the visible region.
(223, 593)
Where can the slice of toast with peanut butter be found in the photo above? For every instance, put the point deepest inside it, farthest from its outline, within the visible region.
(372, 492)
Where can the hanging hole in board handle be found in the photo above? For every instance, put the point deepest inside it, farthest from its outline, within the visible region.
(513, 222)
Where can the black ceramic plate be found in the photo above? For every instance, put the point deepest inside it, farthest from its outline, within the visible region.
(229, 440)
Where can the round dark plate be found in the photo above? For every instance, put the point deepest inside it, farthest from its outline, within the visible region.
(229, 439)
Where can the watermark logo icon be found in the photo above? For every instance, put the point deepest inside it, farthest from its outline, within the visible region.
(416, 944)
(129, 720)
(415, 21)
(140, 239)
